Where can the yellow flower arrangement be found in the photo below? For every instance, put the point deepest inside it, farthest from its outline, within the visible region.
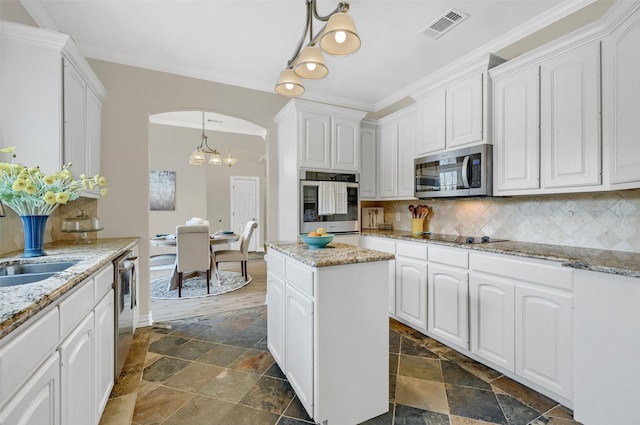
(28, 191)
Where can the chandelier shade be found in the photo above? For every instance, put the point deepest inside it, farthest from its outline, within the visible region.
(337, 37)
(310, 64)
(289, 84)
(340, 36)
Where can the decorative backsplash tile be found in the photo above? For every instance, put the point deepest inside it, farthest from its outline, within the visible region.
(604, 220)
(11, 234)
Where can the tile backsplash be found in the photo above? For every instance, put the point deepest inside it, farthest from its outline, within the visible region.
(11, 234)
(604, 220)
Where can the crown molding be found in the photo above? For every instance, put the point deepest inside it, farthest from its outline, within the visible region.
(37, 12)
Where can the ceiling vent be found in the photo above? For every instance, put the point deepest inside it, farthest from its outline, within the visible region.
(444, 23)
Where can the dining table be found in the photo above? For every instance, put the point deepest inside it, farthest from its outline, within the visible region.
(214, 239)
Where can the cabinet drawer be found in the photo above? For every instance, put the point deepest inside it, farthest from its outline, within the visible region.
(276, 264)
(449, 256)
(411, 250)
(379, 244)
(535, 271)
(103, 282)
(27, 351)
(76, 307)
(299, 277)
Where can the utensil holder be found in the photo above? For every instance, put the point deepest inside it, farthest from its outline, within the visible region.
(417, 226)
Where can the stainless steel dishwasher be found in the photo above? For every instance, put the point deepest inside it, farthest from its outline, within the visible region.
(125, 292)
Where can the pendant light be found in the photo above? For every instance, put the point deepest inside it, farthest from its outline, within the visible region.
(199, 155)
(338, 37)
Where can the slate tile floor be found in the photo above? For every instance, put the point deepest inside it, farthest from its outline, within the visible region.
(217, 370)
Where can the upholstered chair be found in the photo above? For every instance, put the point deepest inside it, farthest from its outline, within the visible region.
(241, 255)
(193, 253)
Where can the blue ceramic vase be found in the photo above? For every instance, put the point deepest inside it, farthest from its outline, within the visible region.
(34, 226)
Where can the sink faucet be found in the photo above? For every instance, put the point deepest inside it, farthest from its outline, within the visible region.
(1, 209)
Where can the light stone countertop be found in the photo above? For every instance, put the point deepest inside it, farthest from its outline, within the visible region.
(334, 254)
(599, 260)
(21, 302)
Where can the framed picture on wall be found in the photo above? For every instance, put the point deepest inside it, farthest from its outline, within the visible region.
(162, 190)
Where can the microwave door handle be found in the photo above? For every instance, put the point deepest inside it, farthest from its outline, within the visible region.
(465, 171)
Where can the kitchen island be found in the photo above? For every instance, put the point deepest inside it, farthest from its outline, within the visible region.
(328, 328)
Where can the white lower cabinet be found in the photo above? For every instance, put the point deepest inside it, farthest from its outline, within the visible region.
(338, 378)
(59, 369)
(77, 375)
(543, 337)
(276, 314)
(411, 291)
(37, 402)
(448, 304)
(389, 246)
(299, 337)
(491, 319)
(104, 351)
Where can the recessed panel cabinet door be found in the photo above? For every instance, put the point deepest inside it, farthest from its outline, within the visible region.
(448, 304)
(299, 345)
(570, 118)
(104, 351)
(37, 403)
(388, 161)
(75, 96)
(276, 322)
(368, 163)
(620, 106)
(345, 146)
(464, 112)
(544, 337)
(491, 322)
(315, 140)
(431, 123)
(516, 145)
(411, 291)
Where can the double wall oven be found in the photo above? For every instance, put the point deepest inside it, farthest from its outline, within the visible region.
(310, 217)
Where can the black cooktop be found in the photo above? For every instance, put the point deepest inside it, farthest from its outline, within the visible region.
(460, 239)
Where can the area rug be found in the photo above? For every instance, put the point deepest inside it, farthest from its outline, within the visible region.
(196, 287)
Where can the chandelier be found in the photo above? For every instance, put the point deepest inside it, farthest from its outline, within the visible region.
(337, 37)
(199, 155)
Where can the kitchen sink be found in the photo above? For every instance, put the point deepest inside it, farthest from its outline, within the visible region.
(22, 279)
(20, 274)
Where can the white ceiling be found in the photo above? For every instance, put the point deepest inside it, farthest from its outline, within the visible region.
(247, 42)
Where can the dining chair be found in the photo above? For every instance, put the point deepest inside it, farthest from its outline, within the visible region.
(192, 252)
(242, 254)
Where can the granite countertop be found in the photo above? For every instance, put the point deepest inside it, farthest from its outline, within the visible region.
(599, 260)
(21, 302)
(334, 254)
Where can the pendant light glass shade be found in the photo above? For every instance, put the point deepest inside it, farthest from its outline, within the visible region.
(289, 83)
(197, 157)
(214, 159)
(229, 160)
(310, 64)
(340, 36)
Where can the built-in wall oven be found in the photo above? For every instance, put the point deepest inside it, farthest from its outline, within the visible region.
(126, 299)
(311, 216)
(461, 173)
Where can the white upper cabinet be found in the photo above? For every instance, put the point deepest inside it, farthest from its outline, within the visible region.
(516, 147)
(464, 112)
(395, 155)
(315, 140)
(431, 123)
(328, 136)
(368, 162)
(51, 100)
(547, 123)
(621, 109)
(570, 118)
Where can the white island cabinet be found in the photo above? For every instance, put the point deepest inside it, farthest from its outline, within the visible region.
(328, 329)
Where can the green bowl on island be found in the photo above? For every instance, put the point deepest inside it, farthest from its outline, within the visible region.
(317, 242)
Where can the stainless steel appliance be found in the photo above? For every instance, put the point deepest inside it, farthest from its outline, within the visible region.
(310, 220)
(461, 173)
(126, 298)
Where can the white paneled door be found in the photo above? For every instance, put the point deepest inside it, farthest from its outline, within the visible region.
(245, 206)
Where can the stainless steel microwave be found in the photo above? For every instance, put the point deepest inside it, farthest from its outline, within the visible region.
(461, 173)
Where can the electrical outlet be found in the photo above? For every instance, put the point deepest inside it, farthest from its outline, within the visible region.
(397, 216)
